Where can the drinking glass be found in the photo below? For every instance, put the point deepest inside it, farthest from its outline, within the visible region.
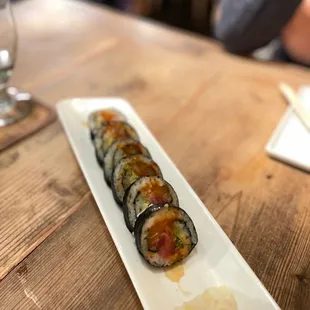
(13, 107)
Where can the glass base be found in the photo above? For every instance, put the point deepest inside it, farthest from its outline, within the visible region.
(14, 107)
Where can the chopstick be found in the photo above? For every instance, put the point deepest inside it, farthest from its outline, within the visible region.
(294, 101)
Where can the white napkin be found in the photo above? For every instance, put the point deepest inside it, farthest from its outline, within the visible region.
(290, 141)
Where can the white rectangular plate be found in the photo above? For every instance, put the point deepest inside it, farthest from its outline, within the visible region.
(214, 262)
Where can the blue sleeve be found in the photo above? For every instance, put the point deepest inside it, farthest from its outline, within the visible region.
(246, 25)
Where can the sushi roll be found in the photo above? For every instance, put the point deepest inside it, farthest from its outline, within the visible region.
(119, 150)
(128, 170)
(143, 193)
(110, 133)
(99, 118)
(165, 235)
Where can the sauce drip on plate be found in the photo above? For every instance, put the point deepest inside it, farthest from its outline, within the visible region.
(176, 273)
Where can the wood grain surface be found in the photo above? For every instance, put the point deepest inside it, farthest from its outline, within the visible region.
(62, 274)
(212, 112)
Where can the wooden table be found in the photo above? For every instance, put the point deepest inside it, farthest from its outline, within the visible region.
(212, 112)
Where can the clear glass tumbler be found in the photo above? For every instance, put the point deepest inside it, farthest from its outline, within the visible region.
(12, 108)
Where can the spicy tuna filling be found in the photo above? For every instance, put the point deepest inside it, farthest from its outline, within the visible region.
(156, 193)
(109, 115)
(97, 119)
(110, 133)
(166, 242)
(164, 235)
(114, 131)
(145, 192)
(129, 170)
(136, 170)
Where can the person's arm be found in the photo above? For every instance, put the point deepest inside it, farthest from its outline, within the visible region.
(295, 36)
(245, 25)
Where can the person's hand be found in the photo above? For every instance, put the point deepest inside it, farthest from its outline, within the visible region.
(306, 7)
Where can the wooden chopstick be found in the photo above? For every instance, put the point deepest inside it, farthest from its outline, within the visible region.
(294, 101)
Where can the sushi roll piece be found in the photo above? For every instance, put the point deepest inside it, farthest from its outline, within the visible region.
(165, 235)
(119, 150)
(143, 193)
(110, 133)
(99, 118)
(128, 170)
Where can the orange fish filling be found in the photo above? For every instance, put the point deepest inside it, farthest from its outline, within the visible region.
(114, 131)
(109, 116)
(156, 193)
(138, 169)
(132, 149)
(141, 169)
(164, 240)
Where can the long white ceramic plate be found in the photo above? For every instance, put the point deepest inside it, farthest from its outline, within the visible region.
(214, 263)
